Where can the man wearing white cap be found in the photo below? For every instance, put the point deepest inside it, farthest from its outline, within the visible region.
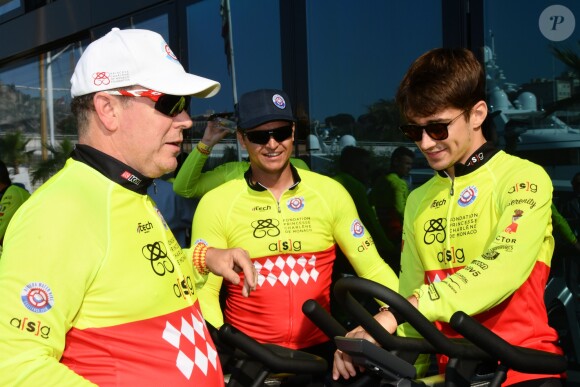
(95, 288)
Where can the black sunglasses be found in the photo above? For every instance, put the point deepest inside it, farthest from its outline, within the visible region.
(170, 105)
(261, 137)
(436, 130)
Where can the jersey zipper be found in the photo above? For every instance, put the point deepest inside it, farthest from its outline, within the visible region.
(452, 190)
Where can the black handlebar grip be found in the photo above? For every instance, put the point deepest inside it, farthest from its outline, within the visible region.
(435, 341)
(517, 358)
(322, 319)
(275, 358)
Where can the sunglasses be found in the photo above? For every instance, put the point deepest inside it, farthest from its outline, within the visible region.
(170, 105)
(436, 130)
(261, 137)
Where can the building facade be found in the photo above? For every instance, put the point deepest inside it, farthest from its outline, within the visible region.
(339, 60)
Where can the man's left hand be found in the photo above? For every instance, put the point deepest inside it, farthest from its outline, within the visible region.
(227, 263)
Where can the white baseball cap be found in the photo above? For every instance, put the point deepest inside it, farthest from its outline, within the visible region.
(136, 57)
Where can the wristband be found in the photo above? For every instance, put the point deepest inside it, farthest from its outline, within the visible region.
(398, 318)
(203, 149)
(199, 253)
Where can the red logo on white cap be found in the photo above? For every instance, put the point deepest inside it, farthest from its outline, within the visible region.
(101, 78)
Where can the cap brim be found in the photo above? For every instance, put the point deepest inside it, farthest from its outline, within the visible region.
(263, 119)
(185, 84)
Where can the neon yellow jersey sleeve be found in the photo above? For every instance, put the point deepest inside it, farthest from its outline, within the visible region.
(562, 226)
(10, 202)
(191, 182)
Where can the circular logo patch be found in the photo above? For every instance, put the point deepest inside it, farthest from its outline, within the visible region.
(295, 204)
(467, 196)
(357, 229)
(279, 101)
(37, 297)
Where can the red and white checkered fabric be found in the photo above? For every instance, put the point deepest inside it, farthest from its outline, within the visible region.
(286, 270)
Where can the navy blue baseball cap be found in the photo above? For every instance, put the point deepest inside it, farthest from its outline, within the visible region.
(260, 106)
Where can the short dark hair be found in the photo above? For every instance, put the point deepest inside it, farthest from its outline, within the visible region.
(400, 152)
(4, 175)
(439, 79)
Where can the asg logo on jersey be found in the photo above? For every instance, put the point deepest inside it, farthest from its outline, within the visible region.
(467, 196)
(357, 229)
(295, 204)
(37, 297)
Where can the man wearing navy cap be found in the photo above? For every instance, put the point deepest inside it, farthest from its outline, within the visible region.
(291, 222)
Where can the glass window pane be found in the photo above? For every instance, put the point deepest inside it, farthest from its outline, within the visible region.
(256, 58)
(533, 88)
(356, 57)
(36, 104)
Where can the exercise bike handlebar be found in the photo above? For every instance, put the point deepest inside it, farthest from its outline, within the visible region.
(278, 359)
(322, 319)
(434, 341)
(517, 358)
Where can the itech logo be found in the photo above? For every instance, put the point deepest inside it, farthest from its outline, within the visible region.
(144, 227)
(131, 178)
(34, 327)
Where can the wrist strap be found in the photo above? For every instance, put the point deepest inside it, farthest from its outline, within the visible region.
(203, 149)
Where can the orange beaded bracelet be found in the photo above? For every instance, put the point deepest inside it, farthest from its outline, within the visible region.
(199, 253)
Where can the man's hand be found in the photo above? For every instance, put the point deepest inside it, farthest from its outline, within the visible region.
(227, 263)
(343, 365)
(213, 133)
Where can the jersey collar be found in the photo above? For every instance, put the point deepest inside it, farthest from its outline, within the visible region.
(476, 160)
(259, 187)
(112, 168)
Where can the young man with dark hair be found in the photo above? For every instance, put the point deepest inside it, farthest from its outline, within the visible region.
(477, 236)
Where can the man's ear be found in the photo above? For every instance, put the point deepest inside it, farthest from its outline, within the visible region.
(107, 107)
(478, 114)
(241, 139)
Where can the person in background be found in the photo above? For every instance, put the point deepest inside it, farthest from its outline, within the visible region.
(95, 289)
(564, 229)
(570, 209)
(192, 182)
(177, 210)
(354, 175)
(11, 198)
(389, 194)
(290, 221)
(477, 236)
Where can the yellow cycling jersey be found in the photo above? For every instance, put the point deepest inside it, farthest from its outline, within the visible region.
(95, 288)
(482, 243)
(292, 243)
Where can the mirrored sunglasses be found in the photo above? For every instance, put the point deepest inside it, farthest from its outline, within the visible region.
(436, 130)
(261, 137)
(170, 105)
